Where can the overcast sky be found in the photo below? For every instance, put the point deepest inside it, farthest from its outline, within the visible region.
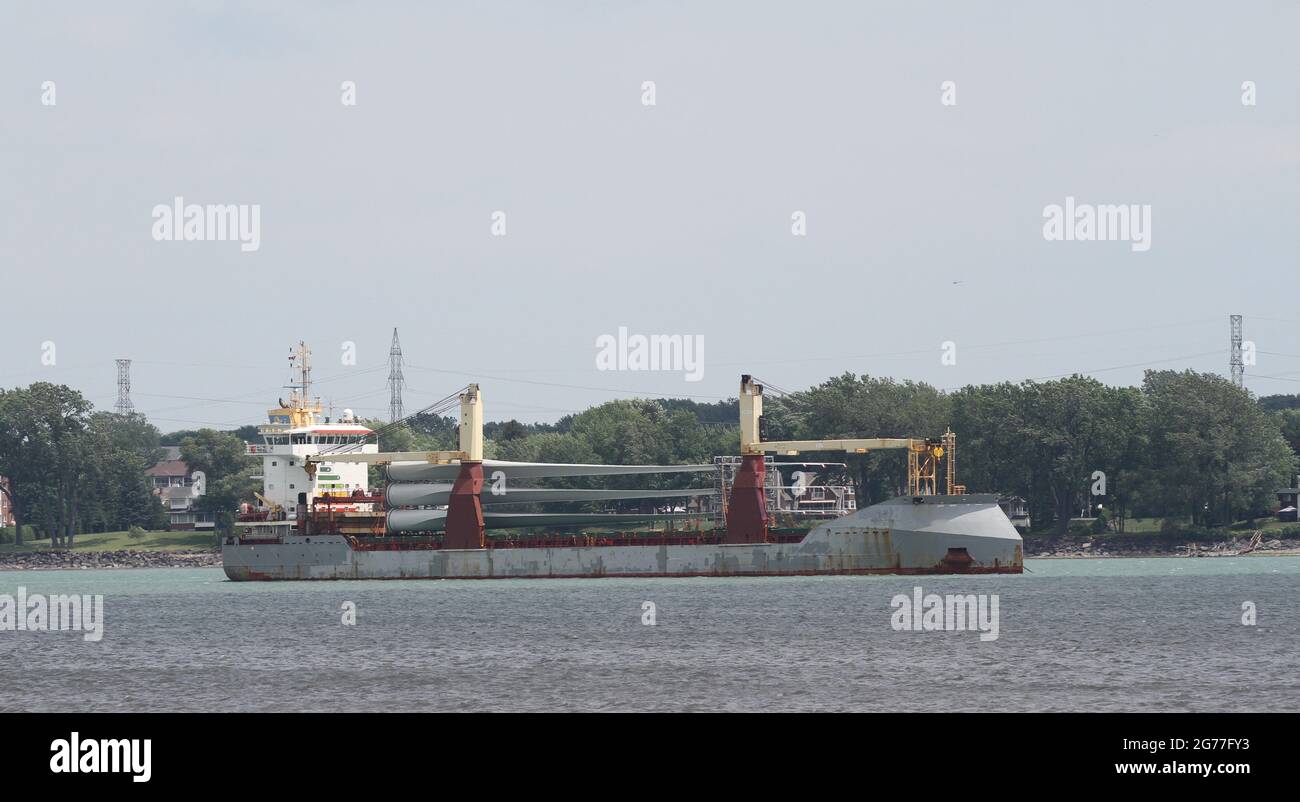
(924, 221)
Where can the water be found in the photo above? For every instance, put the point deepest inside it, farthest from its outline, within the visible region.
(1105, 634)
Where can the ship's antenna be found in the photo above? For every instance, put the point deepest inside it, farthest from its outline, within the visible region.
(395, 380)
(305, 366)
(124, 405)
(292, 386)
(300, 384)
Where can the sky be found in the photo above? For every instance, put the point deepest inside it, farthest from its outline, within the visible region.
(803, 195)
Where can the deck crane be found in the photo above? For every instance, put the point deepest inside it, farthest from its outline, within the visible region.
(465, 528)
(747, 516)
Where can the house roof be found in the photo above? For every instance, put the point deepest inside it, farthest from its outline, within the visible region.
(170, 465)
(169, 468)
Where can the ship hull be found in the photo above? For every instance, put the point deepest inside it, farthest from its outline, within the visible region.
(933, 535)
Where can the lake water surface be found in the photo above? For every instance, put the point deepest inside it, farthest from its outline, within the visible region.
(1081, 634)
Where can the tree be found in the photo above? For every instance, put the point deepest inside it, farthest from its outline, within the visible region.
(1046, 441)
(1273, 403)
(1217, 455)
(119, 494)
(990, 426)
(223, 460)
(852, 406)
(1288, 421)
(44, 453)
(509, 430)
(19, 450)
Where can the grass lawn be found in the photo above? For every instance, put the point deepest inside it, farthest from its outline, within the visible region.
(121, 541)
(1271, 527)
(1142, 525)
(1138, 525)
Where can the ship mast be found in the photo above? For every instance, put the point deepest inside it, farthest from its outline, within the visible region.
(300, 401)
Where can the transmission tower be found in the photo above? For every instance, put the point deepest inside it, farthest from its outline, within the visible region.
(395, 380)
(124, 405)
(1234, 355)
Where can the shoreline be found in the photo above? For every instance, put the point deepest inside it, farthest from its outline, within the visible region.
(1036, 548)
(1153, 555)
(1100, 546)
(64, 560)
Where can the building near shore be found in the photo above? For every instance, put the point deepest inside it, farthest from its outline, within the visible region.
(1289, 500)
(6, 513)
(174, 486)
(1017, 509)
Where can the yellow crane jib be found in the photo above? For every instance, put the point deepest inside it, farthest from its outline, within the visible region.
(471, 442)
(923, 455)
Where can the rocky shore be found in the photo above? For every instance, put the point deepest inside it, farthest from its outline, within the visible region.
(64, 560)
(1042, 547)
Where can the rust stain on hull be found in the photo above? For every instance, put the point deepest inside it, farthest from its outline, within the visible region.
(256, 576)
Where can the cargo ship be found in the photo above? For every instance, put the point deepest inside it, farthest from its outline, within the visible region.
(445, 514)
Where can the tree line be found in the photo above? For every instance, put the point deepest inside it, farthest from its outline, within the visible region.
(1186, 447)
(70, 470)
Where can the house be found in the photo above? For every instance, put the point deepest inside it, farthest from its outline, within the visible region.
(1017, 509)
(1289, 502)
(6, 514)
(174, 486)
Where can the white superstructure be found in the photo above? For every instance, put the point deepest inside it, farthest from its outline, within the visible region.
(296, 430)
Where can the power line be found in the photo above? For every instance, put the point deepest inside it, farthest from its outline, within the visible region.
(977, 346)
(1130, 365)
(238, 398)
(436, 408)
(1104, 370)
(565, 386)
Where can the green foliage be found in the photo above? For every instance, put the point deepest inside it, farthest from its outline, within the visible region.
(1273, 403)
(853, 406)
(226, 469)
(120, 541)
(1215, 455)
(1186, 448)
(1163, 448)
(135, 533)
(71, 471)
(1288, 420)
(7, 534)
(1100, 524)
